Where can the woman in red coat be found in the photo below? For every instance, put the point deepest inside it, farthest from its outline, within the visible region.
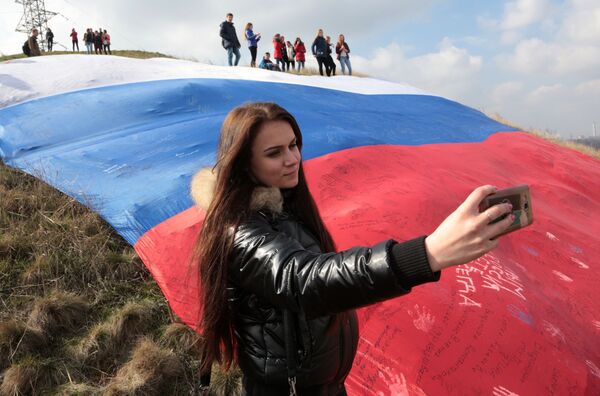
(278, 49)
(300, 51)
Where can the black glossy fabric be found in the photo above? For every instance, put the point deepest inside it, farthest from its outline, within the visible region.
(276, 264)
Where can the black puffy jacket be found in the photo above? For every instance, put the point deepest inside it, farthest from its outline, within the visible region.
(277, 265)
(319, 47)
(228, 35)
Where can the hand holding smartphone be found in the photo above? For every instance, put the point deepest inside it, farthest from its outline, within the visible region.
(520, 198)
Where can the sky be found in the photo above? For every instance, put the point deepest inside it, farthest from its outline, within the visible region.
(536, 63)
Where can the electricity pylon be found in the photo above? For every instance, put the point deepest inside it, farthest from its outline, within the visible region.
(34, 16)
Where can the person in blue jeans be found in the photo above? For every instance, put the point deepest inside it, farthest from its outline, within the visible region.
(343, 54)
(229, 40)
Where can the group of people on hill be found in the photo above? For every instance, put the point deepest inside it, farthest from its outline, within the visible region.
(95, 41)
(287, 56)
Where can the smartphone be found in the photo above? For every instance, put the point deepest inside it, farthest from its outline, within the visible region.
(520, 198)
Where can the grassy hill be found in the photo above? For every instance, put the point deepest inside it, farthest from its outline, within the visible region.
(80, 314)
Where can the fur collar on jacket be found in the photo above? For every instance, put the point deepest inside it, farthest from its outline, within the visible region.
(202, 190)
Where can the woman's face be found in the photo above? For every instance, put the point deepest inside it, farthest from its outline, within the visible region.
(275, 160)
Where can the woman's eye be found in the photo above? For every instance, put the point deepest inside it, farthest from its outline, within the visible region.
(293, 145)
(273, 154)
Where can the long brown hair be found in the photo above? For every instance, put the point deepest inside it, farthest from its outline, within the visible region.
(229, 207)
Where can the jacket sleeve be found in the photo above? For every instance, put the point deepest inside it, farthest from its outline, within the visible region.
(280, 270)
(313, 47)
(223, 32)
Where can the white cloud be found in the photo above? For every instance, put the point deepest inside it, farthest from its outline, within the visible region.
(506, 91)
(569, 109)
(451, 71)
(521, 13)
(535, 56)
(582, 23)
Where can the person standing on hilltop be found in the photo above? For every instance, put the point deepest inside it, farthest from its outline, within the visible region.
(98, 42)
(252, 40)
(342, 50)
(89, 40)
(49, 39)
(106, 43)
(34, 48)
(300, 50)
(329, 63)
(278, 49)
(319, 51)
(229, 40)
(74, 39)
(291, 56)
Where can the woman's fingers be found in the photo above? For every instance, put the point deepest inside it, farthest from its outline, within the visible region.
(474, 199)
(491, 214)
(493, 230)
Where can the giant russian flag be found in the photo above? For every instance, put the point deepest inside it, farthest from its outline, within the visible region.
(124, 137)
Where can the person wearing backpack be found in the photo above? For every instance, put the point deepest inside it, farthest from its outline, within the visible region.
(229, 40)
(31, 47)
(49, 39)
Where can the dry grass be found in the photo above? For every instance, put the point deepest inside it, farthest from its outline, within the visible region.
(77, 389)
(108, 342)
(152, 370)
(31, 376)
(18, 340)
(59, 313)
(69, 282)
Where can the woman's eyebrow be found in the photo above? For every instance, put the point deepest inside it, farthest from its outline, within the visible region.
(275, 147)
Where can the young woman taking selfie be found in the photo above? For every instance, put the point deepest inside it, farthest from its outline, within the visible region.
(277, 298)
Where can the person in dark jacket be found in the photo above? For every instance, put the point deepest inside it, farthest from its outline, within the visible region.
(252, 40)
(49, 39)
(88, 38)
(319, 51)
(276, 296)
(98, 42)
(329, 63)
(34, 48)
(229, 40)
